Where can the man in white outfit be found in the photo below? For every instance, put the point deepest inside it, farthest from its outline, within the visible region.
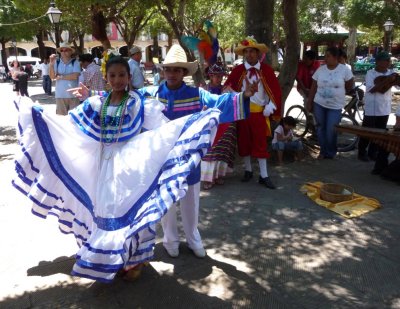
(137, 77)
(182, 100)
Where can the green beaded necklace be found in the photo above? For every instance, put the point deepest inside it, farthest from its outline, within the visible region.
(116, 120)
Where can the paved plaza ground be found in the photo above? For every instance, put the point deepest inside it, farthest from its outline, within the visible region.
(266, 248)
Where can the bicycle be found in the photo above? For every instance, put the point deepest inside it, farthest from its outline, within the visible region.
(345, 141)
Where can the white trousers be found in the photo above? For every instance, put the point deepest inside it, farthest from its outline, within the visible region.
(190, 219)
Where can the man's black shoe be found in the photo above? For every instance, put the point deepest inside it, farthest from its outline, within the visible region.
(247, 176)
(373, 156)
(363, 157)
(376, 171)
(266, 181)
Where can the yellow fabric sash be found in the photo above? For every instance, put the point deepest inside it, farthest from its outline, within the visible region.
(255, 108)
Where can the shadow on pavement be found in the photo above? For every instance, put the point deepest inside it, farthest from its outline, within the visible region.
(186, 282)
(7, 135)
(61, 265)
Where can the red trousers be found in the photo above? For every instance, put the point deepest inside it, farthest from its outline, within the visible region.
(251, 133)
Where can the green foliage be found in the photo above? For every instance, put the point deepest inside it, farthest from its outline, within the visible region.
(11, 14)
(227, 16)
(317, 15)
(230, 24)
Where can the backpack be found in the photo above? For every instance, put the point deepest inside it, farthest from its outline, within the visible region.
(58, 62)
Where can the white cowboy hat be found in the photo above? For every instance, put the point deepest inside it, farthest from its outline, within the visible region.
(176, 57)
(250, 42)
(65, 45)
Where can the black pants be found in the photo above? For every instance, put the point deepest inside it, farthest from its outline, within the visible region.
(378, 122)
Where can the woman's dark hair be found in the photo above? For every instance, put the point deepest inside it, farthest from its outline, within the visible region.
(310, 54)
(117, 60)
(288, 120)
(86, 58)
(334, 51)
(342, 53)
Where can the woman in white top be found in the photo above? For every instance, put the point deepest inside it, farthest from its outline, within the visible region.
(327, 98)
(14, 71)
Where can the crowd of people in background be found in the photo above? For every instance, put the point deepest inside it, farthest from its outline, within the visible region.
(323, 89)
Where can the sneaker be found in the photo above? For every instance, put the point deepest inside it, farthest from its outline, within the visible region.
(247, 176)
(172, 252)
(200, 252)
(266, 181)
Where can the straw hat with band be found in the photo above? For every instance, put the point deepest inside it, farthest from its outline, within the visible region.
(250, 42)
(65, 45)
(176, 57)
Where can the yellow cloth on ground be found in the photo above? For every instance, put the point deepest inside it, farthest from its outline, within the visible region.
(356, 207)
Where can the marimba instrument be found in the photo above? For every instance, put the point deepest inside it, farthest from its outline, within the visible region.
(388, 139)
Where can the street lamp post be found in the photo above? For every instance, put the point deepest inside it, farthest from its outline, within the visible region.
(388, 26)
(54, 15)
(14, 44)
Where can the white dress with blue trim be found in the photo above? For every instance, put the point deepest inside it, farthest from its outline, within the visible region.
(108, 197)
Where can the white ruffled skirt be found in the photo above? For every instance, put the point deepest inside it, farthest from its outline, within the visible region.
(108, 197)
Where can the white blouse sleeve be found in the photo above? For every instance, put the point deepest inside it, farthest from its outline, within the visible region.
(153, 114)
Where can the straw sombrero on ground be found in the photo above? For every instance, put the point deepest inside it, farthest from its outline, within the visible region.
(176, 57)
(250, 42)
(65, 45)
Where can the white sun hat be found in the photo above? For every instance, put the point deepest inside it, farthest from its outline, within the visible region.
(176, 57)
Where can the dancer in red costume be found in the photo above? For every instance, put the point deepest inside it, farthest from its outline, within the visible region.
(265, 105)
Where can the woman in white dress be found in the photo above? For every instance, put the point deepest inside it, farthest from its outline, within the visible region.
(109, 171)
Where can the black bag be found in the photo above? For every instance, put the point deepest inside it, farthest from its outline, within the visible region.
(16, 85)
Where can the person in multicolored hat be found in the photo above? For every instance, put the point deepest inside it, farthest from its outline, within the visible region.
(265, 105)
(219, 159)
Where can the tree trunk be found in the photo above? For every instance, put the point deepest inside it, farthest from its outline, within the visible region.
(99, 27)
(259, 20)
(155, 53)
(289, 67)
(57, 35)
(81, 44)
(42, 47)
(274, 57)
(170, 38)
(3, 42)
(351, 45)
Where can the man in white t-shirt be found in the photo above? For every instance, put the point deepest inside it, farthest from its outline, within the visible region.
(378, 105)
(46, 80)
